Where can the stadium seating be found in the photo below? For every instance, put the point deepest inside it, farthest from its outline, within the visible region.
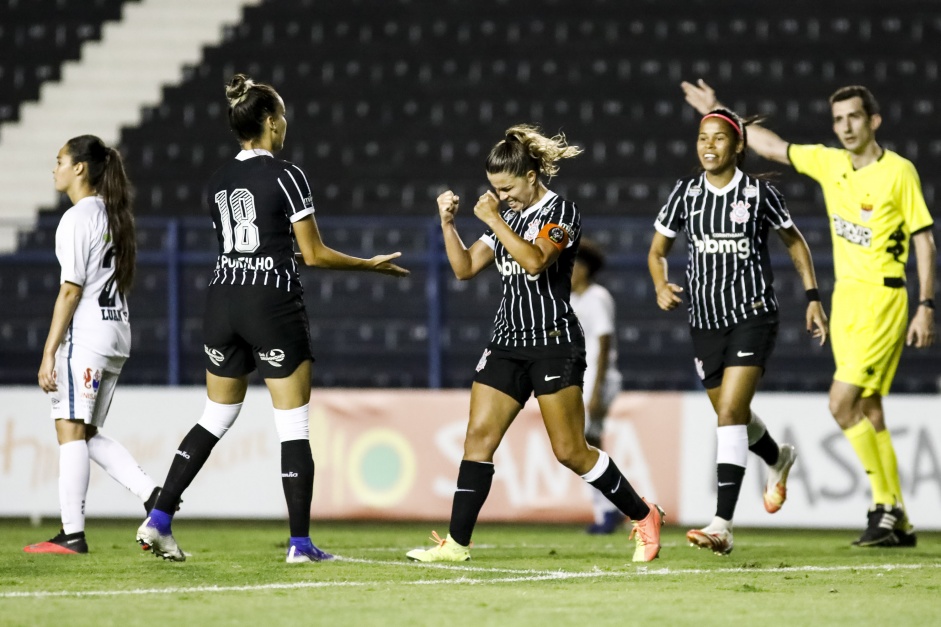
(392, 101)
(37, 36)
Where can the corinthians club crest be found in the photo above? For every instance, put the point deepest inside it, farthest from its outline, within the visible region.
(739, 213)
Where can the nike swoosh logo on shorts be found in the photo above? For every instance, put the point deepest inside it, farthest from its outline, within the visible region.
(725, 484)
(742, 354)
(548, 378)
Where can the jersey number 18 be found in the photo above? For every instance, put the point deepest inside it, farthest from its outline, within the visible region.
(237, 217)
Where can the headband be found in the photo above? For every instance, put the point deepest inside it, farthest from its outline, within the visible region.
(726, 118)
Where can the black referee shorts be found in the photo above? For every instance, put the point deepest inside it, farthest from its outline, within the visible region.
(521, 372)
(255, 327)
(748, 343)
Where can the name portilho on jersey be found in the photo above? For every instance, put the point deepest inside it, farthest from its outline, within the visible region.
(246, 263)
(723, 243)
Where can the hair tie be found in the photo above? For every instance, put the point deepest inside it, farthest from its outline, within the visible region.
(726, 118)
(249, 83)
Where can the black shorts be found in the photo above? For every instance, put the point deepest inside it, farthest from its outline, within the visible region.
(255, 327)
(521, 372)
(748, 343)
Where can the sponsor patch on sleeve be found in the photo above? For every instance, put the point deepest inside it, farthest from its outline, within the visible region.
(557, 234)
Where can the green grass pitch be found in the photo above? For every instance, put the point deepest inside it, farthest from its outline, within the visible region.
(520, 575)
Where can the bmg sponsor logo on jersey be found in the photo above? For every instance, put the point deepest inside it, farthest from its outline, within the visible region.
(508, 267)
(274, 357)
(722, 244)
(853, 233)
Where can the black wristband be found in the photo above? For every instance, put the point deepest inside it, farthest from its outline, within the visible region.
(813, 294)
(928, 302)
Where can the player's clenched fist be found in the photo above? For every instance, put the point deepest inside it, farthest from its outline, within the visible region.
(447, 206)
(488, 208)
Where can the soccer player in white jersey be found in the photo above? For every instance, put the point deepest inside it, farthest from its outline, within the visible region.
(255, 316)
(90, 334)
(537, 346)
(594, 306)
(733, 312)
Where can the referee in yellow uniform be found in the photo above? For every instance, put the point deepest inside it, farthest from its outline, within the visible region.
(877, 215)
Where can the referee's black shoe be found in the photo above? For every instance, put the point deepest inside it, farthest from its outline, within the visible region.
(904, 531)
(880, 528)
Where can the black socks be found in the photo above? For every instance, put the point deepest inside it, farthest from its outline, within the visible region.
(619, 491)
(297, 479)
(730, 484)
(193, 452)
(473, 485)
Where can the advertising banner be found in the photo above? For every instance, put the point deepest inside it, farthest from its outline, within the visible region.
(394, 454)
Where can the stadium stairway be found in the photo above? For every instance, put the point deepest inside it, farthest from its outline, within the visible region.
(102, 93)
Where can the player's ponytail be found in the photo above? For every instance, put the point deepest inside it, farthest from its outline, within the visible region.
(525, 148)
(250, 104)
(106, 175)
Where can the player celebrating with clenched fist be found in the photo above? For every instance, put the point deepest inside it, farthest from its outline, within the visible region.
(537, 346)
(733, 312)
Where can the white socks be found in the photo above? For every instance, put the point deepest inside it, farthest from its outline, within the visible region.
(218, 418)
(73, 484)
(118, 462)
(292, 424)
(756, 428)
(732, 445)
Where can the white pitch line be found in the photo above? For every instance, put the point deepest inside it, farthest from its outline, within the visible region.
(536, 576)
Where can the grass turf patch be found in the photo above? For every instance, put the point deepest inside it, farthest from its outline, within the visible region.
(520, 575)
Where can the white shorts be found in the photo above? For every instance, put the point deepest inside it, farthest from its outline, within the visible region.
(85, 382)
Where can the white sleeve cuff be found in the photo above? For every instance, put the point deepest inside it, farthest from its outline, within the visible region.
(664, 230)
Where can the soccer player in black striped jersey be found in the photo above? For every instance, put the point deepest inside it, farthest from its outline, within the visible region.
(537, 346)
(878, 216)
(733, 313)
(255, 316)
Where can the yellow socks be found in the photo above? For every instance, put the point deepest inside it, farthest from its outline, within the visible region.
(862, 437)
(890, 466)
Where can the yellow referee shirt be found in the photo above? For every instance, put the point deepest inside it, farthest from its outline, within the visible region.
(873, 211)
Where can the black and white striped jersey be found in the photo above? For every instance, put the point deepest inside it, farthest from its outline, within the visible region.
(728, 271)
(254, 199)
(535, 310)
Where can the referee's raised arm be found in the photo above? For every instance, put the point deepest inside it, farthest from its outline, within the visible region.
(766, 143)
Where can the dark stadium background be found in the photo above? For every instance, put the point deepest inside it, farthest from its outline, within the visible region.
(391, 101)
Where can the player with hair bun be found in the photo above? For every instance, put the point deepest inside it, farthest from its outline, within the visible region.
(90, 334)
(733, 311)
(255, 316)
(537, 345)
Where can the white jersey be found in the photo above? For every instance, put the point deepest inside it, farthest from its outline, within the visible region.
(595, 310)
(86, 255)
